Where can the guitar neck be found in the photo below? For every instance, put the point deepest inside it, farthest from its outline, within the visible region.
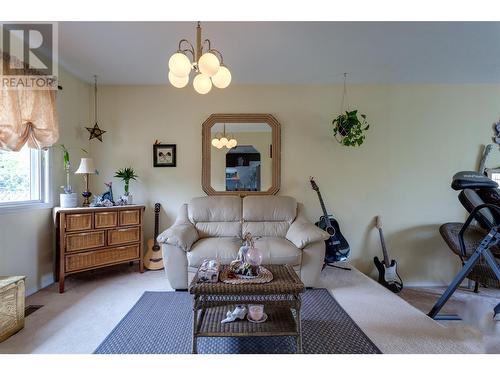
(157, 219)
(384, 249)
(323, 208)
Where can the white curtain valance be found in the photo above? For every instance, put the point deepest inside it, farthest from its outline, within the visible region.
(27, 116)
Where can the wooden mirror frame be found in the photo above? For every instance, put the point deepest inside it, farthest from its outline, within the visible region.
(240, 118)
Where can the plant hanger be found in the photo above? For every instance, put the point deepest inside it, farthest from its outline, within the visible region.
(348, 129)
(344, 96)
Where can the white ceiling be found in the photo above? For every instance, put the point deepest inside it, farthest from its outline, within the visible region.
(290, 52)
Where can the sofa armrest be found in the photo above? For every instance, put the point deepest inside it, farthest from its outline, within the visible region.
(182, 235)
(302, 234)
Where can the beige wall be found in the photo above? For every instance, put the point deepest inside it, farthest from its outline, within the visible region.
(26, 237)
(420, 136)
(260, 141)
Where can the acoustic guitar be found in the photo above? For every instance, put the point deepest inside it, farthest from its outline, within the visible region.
(337, 248)
(387, 269)
(153, 260)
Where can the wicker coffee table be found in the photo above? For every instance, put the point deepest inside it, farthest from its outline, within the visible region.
(280, 297)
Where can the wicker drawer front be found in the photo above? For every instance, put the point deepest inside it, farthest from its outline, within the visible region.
(78, 222)
(106, 219)
(86, 240)
(96, 258)
(125, 235)
(130, 217)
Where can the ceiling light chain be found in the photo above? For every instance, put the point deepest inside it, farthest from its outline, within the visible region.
(209, 66)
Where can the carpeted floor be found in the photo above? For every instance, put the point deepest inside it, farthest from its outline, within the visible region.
(95, 302)
(161, 322)
(475, 310)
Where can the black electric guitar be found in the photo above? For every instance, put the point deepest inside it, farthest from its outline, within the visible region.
(153, 260)
(337, 248)
(387, 269)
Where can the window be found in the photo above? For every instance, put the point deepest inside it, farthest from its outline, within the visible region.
(23, 177)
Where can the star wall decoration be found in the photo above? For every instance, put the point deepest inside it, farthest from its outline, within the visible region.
(96, 132)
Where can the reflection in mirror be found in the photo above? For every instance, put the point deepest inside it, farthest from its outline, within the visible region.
(241, 156)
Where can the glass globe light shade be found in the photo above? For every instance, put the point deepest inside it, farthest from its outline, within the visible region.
(231, 143)
(223, 141)
(178, 82)
(208, 64)
(222, 79)
(202, 84)
(254, 256)
(215, 142)
(219, 145)
(179, 64)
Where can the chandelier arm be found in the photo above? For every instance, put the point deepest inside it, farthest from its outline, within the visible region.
(218, 53)
(207, 41)
(190, 49)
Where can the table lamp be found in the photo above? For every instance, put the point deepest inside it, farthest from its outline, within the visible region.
(86, 167)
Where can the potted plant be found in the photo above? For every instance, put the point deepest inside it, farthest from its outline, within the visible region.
(349, 129)
(68, 199)
(126, 174)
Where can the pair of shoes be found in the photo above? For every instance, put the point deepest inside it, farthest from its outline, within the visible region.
(238, 313)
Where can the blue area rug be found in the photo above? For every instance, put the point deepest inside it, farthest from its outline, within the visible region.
(161, 323)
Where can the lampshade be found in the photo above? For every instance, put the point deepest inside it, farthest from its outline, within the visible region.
(232, 143)
(222, 78)
(178, 82)
(208, 64)
(202, 84)
(179, 64)
(86, 166)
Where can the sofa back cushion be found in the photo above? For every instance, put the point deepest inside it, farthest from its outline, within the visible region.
(268, 216)
(216, 216)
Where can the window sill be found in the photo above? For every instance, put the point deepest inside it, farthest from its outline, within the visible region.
(21, 207)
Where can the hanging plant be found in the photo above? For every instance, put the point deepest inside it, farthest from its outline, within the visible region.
(348, 128)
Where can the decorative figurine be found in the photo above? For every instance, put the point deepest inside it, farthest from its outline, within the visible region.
(108, 194)
(248, 260)
(496, 137)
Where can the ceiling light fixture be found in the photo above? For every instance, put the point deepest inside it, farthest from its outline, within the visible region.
(221, 140)
(208, 66)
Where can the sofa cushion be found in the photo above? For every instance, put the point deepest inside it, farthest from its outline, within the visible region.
(268, 216)
(216, 216)
(223, 248)
(269, 208)
(278, 251)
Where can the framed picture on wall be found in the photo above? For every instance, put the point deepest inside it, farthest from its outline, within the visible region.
(164, 155)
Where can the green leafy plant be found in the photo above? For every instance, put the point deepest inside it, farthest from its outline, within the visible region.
(126, 174)
(349, 129)
(65, 157)
(67, 165)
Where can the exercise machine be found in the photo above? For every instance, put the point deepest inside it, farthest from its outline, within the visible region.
(476, 245)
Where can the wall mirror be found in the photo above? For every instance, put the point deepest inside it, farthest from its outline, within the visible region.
(241, 154)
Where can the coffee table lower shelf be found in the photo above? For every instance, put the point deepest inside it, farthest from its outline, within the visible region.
(280, 322)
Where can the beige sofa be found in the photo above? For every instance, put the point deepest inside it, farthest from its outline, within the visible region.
(212, 227)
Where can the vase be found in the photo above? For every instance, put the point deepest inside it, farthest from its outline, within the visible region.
(68, 200)
(127, 198)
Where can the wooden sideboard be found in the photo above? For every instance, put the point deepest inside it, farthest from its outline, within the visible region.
(95, 237)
